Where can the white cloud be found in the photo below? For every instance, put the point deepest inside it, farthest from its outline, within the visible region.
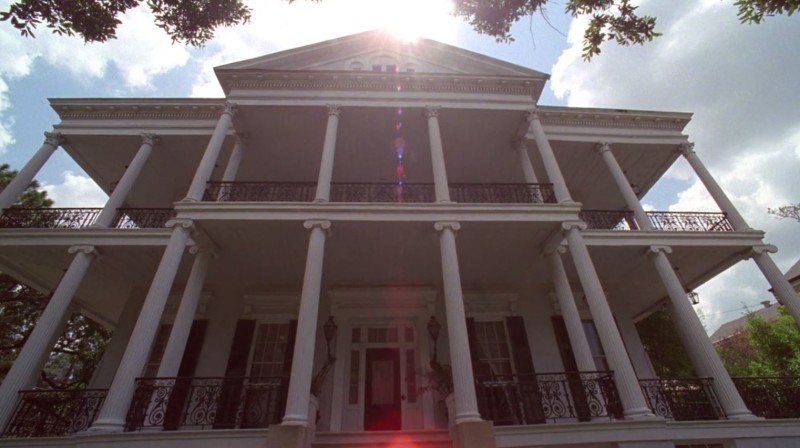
(740, 83)
(75, 190)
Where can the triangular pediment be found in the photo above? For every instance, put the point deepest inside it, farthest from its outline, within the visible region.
(378, 51)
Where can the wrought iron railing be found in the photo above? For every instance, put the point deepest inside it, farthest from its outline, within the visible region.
(669, 221)
(771, 397)
(200, 403)
(682, 398)
(537, 398)
(54, 413)
(382, 192)
(260, 191)
(79, 218)
(502, 193)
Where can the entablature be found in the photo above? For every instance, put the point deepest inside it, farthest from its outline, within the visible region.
(88, 236)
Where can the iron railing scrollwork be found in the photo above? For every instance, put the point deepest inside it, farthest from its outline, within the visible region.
(142, 218)
(537, 398)
(682, 398)
(80, 218)
(200, 403)
(260, 191)
(54, 413)
(666, 221)
(771, 397)
(502, 193)
(383, 192)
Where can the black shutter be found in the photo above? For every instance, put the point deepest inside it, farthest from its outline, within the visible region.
(183, 384)
(231, 393)
(478, 370)
(193, 345)
(571, 367)
(526, 381)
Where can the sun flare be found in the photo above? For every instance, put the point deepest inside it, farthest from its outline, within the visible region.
(411, 19)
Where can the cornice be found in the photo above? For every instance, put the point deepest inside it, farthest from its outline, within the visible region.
(113, 109)
(613, 119)
(380, 82)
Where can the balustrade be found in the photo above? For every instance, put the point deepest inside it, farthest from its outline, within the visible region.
(771, 397)
(682, 398)
(666, 221)
(502, 193)
(54, 413)
(80, 218)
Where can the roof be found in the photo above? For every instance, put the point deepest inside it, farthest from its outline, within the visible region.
(728, 329)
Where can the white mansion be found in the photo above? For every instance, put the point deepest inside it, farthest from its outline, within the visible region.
(374, 243)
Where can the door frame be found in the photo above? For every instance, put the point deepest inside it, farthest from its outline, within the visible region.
(393, 354)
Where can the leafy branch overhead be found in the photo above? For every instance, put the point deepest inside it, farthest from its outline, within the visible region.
(195, 22)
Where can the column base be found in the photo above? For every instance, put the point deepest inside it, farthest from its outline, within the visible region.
(107, 425)
(478, 434)
(287, 436)
(640, 414)
(743, 415)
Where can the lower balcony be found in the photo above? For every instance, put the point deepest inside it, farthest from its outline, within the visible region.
(682, 399)
(665, 221)
(80, 218)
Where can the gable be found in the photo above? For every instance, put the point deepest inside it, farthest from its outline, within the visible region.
(379, 51)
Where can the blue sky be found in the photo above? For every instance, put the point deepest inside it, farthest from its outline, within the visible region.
(740, 82)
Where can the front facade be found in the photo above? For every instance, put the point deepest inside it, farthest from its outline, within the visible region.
(369, 242)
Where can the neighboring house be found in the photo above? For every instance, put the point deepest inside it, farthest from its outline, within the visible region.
(301, 261)
(728, 330)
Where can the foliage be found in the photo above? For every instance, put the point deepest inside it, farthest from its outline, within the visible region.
(194, 22)
(664, 348)
(754, 11)
(776, 345)
(77, 352)
(438, 379)
(791, 211)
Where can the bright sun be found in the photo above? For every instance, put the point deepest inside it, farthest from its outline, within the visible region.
(411, 19)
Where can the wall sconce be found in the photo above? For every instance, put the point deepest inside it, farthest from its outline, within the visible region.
(433, 330)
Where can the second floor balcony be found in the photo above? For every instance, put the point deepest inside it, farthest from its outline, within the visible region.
(81, 218)
(659, 220)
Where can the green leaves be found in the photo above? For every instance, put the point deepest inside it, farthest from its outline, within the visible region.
(754, 11)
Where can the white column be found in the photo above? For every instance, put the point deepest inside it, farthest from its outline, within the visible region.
(328, 153)
(525, 162)
(716, 192)
(210, 156)
(569, 311)
(176, 344)
(695, 340)
(437, 155)
(31, 359)
(125, 184)
(118, 400)
(549, 160)
(104, 373)
(631, 200)
(235, 159)
(630, 393)
(25, 176)
(303, 360)
(780, 286)
(460, 358)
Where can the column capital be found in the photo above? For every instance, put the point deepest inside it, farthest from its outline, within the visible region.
(656, 249)
(150, 138)
(557, 249)
(686, 148)
(566, 226)
(442, 225)
(87, 249)
(602, 147)
(230, 108)
(531, 115)
(54, 138)
(334, 109)
(321, 223)
(763, 249)
(241, 138)
(432, 111)
(180, 222)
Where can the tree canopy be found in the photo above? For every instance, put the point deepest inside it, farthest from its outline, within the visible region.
(194, 22)
(77, 352)
(791, 211)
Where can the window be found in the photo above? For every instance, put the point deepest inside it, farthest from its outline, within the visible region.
(269, 351)
(392, 68)
(160, 344)
(355, 369)
(595, 346)
(493, 353)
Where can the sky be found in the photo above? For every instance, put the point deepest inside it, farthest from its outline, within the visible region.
(739, 81)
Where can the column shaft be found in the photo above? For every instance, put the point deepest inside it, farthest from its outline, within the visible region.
(527, 166)
(713, 188)
(32, 357)
(780, 286)
(328, 153)
(176, 344)
(303, 360)
(106, 217)
(104, 373)
(572, 319)
(118, 400)
(437, 156)
(630, 393)
(631, 200)
(549, 160)
(211, 154)
(12, 192)
(460, 358)
(232, 168)
(695, 340)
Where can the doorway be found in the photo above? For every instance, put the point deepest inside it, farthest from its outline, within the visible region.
(382, 403)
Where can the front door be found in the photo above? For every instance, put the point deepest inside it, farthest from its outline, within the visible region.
(382, 409)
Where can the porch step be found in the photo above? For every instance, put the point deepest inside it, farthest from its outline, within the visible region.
(384, 439)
